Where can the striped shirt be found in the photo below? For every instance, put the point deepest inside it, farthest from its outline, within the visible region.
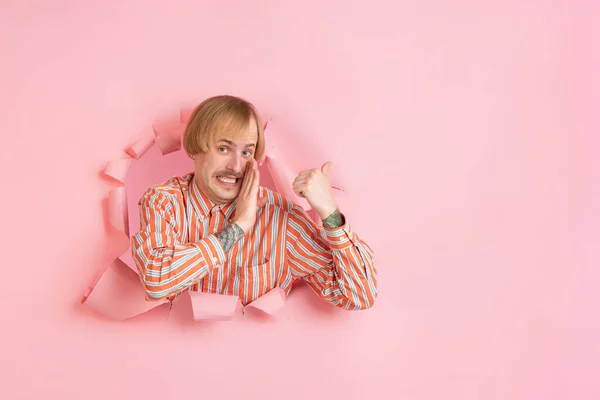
(176, 249)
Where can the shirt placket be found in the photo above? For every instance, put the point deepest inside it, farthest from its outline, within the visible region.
(215, 223)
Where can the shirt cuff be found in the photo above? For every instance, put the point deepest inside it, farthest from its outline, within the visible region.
(211, 251)
(339, 238)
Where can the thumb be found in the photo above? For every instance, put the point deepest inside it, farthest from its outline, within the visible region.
(261, 201)
(326, 167)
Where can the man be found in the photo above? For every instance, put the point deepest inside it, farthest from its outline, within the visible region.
(217, 231)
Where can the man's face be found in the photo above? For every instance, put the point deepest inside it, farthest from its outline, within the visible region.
(220, 171)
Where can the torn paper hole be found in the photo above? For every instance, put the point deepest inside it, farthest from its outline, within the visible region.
(271, 302)
(140, 147)
(214, 307)
(117, 208)
(117, 169)
(168, 136)
(119, 293)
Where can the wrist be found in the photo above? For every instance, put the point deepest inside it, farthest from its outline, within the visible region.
(229, 236)
(334, 221)
(327, 211)
(243, 225)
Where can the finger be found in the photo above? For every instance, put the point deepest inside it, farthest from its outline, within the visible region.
(299, 189)
(262, 201)
(302, 181)
(299, 193)
(326, 167)
(304, 177)
(246, 180)
(306, 173)
(299, 185)
(255, 179)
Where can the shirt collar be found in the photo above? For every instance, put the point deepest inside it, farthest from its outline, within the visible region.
(205, 206)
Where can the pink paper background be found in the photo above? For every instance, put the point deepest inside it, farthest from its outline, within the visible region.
(464, 133)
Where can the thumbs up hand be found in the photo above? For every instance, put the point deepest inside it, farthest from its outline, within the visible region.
(314, 185)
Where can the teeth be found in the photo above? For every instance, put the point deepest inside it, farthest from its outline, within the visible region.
(227, 180)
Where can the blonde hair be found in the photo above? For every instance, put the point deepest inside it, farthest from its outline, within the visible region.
(213, 113)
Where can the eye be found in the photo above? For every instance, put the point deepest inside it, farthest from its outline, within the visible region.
(222, 149)
(247, 153)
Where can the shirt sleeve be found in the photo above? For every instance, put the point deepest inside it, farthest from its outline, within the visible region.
(168, 266)
(335, 263)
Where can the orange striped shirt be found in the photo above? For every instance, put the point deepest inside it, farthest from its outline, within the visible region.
(176, 249)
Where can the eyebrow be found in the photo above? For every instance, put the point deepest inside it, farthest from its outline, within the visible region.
(229, 142)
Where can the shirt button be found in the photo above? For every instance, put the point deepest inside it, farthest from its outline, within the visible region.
(215, 259)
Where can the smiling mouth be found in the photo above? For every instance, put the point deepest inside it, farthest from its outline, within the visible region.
(228, 180)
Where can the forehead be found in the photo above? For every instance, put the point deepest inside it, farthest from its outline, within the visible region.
(239, 132)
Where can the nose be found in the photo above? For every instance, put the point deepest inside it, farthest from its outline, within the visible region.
(236, 163)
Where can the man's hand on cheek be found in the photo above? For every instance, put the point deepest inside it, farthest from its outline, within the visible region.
(248, 201)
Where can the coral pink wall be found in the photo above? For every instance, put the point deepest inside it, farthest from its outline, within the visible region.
(465, 134)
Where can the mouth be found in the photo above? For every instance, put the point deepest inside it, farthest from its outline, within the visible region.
(229, 181)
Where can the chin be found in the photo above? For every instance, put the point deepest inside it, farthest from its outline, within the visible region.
(227, 195)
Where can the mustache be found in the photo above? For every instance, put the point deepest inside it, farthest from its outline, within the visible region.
(229, 173)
